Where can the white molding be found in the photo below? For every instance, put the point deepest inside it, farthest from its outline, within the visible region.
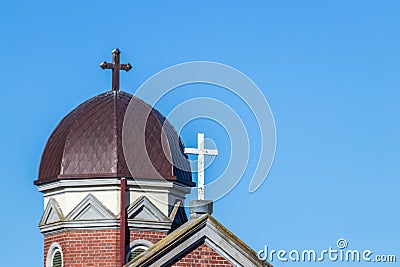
(152, 220)
(52, 213)
(150, 226)
(104, 203)
(90, 208)
(145, 183)
(105, 224)
(145, 210)
(140, 242)
(68, 191)
(80, 225)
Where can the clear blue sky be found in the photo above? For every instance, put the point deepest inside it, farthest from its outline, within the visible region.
(329, 69)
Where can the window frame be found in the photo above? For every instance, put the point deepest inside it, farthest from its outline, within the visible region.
(54, 248)
(137, 244)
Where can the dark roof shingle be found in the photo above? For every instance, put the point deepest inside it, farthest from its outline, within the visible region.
(88, 143)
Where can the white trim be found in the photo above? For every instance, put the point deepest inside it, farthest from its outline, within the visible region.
(52, 208)
(106, 224)
(80, 225)
(68, 192)
(136, 182)
(90, 201)
(51, 252)
(141, 204)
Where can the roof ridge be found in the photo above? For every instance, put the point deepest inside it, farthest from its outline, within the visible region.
(185, 232)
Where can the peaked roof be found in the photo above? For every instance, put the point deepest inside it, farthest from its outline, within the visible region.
(142, 213)
(90, 208)
(52, 213)
(203, 229)
(144, 210)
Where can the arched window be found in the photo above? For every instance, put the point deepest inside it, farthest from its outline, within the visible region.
(57, 259)
(135, 252)
(137, 247)
(54, 256)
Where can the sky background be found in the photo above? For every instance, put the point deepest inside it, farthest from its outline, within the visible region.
(329, 70)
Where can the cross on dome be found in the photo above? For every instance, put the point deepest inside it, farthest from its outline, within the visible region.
(200, 151)
(116, 68)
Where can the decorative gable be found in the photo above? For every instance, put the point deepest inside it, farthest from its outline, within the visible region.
(89, 209)
(178, 215)
(52, 213)
(144, 210)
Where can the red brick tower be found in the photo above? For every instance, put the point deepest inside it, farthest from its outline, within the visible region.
(83, 170)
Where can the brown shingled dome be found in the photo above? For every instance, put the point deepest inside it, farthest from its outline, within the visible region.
(87, 143)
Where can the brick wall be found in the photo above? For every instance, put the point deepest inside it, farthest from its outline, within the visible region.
(94, 248)
(202, 256)
(86, 247)
(153, 237)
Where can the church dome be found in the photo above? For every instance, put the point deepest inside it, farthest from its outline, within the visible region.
(87, 143)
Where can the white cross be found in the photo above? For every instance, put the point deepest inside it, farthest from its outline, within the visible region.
(200, 151)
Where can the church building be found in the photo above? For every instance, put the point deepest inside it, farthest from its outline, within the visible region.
(101, 211)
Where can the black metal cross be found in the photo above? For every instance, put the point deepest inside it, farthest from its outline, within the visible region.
(116, 67)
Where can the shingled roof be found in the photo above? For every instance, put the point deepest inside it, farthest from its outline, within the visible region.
(88, 143)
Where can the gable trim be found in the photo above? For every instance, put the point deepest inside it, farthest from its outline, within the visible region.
(203, 229)
(90, 203)
(144, 207)
(52, 210)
